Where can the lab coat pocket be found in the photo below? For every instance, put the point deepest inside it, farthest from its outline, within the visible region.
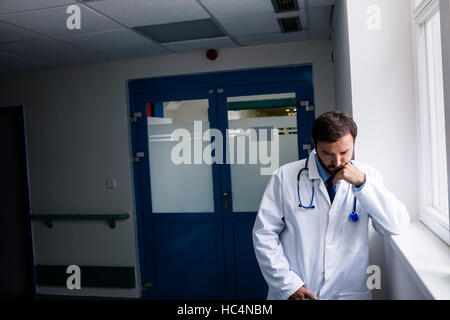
(364, 295)
(353, 233)
(306, 217)
(349, 236)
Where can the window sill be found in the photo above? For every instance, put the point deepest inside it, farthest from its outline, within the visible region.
(427, 259)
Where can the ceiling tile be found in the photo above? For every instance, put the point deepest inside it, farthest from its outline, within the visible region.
(237, 26)
(200, 44)
(258, 39)
(259, 24)
(313, 3)
(232, 8)
(51, 51)
(9, 6)
(9, 62)
(182, 31)
(117, 43)
(133, 13)
(54, 21)
(301, 13)
(9, 33)
(24, 24)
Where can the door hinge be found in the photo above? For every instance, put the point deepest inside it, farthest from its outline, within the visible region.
(305, 103)
(136, 116)
(307, 147)
(146, 286)
(138, 155)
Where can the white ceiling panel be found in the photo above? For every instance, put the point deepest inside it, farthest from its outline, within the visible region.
(51, 51)
(237, 26)
(34, 32)
(54, 21)
(9, 62)
(233, 8)
(134, 13)
(229, 8)
(200, 44)
(118, 43)
(258, 24)
(259, 39)
(9, 33)
(9, 6)
(313, 3)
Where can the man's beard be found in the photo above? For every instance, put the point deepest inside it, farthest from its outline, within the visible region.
(330, 169)
(335, 170)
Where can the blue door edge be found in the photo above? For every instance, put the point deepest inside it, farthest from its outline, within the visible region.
(231, 217)
(216, 79)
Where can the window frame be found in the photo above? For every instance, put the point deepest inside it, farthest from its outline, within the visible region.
(430, 216)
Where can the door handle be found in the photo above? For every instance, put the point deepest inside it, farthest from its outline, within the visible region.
(225, 195)
(146, 286)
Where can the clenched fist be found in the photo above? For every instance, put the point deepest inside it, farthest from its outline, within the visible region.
(302, 294)
(351, 174)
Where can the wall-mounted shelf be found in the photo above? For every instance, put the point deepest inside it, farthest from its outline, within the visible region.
(110, 218)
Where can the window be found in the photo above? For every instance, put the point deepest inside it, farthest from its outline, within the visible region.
(433, 184)
(417, 3)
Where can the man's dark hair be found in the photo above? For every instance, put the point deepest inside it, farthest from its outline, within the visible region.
(332, 126)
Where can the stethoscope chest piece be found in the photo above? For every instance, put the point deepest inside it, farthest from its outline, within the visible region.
(353, 217)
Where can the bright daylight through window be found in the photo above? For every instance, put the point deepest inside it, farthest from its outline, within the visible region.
(432, 147)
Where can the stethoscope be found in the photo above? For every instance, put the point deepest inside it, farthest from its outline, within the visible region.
(353, 216)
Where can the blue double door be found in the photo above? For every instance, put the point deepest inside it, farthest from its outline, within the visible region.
(199, 175)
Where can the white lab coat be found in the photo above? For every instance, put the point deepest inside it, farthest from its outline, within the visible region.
(321, 248)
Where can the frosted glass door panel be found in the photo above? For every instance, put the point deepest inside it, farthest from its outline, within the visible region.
(177, 184)
(247, 182)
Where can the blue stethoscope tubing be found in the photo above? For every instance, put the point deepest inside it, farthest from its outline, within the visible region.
(298, 189)
(353, 216)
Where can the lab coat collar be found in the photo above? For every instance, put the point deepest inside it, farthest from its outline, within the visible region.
(314, 174)
(324, 174)
(312, 166)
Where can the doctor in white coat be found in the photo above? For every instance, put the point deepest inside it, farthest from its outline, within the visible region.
(311, 237)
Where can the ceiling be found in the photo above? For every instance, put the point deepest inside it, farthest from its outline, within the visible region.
(34, 33)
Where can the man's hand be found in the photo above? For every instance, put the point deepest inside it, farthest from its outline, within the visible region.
(351, 174)
(302, 294)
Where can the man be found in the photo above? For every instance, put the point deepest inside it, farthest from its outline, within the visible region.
(311, 232)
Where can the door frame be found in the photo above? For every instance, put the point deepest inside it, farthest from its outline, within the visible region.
(188, 82)
(23, 142)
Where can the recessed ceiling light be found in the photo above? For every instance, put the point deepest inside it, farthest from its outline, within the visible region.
(182, 31)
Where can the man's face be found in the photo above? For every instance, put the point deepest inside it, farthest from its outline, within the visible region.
(334, 156)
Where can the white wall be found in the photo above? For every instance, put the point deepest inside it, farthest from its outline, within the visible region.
(397, 283)
(380, 94)
(76, 121)
(383, 94)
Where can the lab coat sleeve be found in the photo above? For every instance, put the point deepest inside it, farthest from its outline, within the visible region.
(266, 241)
(389, 215)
